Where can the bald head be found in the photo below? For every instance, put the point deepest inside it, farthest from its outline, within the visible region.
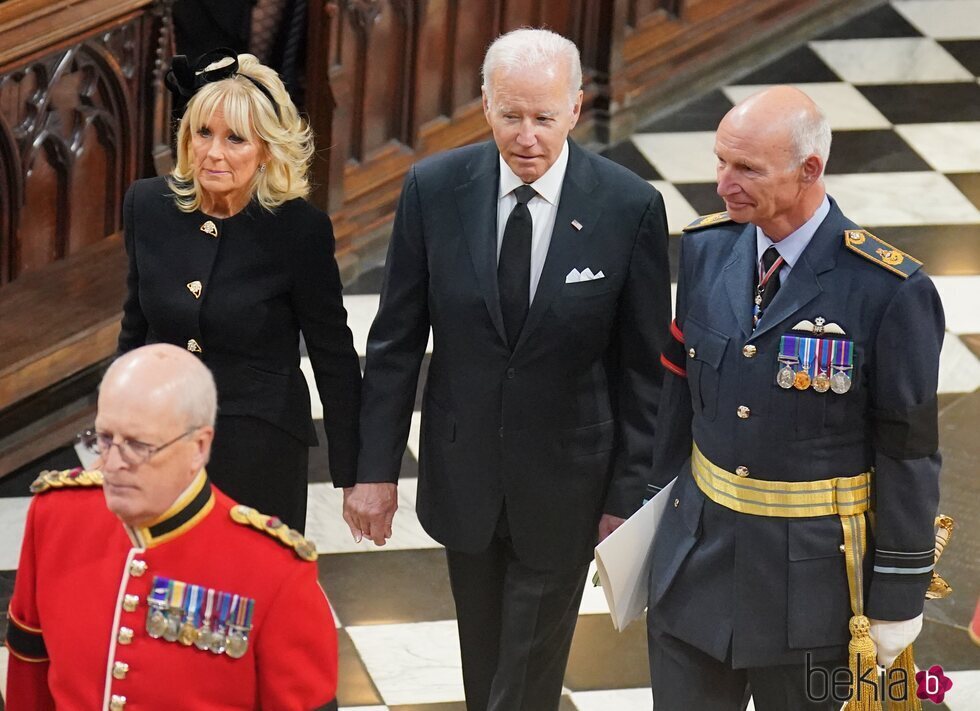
(787, 117)
(772, 148)
(167, 376)
(157, 405)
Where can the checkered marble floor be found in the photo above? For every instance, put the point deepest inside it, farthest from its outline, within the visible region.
(899, 85)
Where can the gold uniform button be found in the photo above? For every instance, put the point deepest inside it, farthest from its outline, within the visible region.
(117, 703)
(125, 635)
(749, 351)
(743, 412)
(137, 568)
(131, 602)
(120, 670)
(742, 471)
(691, 352)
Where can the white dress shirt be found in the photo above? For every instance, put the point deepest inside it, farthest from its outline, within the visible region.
(543, 208)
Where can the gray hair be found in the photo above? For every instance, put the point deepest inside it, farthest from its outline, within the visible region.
(180, 374)
(811, 135)
(525, 49)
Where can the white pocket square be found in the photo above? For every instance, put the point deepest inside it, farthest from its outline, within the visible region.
(575, 276)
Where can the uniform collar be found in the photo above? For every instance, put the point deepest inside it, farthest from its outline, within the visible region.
(792, 246)
(189, 509)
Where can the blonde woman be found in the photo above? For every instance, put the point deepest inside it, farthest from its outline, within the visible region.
(229, 260)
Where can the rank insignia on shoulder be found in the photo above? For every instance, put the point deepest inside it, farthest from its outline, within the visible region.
(274, 527)
(716, 218)
(881, 253)
(65, 479)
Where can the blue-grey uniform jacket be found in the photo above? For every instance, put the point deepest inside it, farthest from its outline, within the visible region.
(768, 590)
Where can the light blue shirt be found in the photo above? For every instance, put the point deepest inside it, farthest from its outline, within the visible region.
(792, 246)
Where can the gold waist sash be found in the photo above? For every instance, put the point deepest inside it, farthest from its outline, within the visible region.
(848, 497)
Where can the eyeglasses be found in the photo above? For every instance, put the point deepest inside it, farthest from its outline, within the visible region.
(132, 451)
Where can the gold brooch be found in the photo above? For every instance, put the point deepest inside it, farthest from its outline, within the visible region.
(209, 228)
(195, 288)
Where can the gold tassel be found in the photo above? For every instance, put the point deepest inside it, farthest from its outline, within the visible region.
(906, 662)
(861, 661)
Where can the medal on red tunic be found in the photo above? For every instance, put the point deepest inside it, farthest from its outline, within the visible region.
(218, 638)
(156, 615)
(188, 627)
(203, 641)
(175, 604)
(237, 643)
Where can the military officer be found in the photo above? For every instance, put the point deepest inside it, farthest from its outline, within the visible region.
(802, 388)
(143, 587)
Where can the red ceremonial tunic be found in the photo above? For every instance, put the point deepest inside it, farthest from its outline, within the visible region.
(78, 636)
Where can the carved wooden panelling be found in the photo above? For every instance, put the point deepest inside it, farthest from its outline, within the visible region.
(78, 123)
(392, 81)
(73, 128)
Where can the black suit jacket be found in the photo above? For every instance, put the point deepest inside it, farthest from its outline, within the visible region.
(562, 427)
(265, 277)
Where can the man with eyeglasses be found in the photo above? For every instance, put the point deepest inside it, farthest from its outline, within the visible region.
(142, 585)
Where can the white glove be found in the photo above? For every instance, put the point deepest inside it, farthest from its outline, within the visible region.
(892, 637)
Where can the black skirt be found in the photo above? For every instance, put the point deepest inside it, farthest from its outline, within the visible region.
(262, 466)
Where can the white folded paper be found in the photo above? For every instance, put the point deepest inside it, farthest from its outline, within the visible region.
(623, 560)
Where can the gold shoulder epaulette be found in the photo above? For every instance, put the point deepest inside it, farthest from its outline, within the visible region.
(881, 253)
(274, 527)
(66, 478)
(715, 218)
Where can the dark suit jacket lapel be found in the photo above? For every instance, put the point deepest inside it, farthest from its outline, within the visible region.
(476, 200)
(739, 278)
(803, 284)
(577, 204)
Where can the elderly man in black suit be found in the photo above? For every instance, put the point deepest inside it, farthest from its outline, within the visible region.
(542, 272)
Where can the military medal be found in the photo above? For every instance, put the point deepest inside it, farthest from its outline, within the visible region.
(801, 380)
(764, 277)
(843, 361)
(203, 641)
(176, 604)
(217, 642)
(188, 629)
(788, 351)
(238, 631)
(821, 381)
(156, 616)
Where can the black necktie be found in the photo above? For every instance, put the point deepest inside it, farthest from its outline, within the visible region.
(768, 280)
(514, 265)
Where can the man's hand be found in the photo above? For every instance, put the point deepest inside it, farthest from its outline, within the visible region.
(369, 510)
(607, 524)
(891, 637)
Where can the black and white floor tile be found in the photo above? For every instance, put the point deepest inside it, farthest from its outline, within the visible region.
(899, 85)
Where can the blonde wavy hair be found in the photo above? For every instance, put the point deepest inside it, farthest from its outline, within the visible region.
(247, 111)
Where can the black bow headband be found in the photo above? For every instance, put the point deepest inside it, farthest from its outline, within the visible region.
(183, 80)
